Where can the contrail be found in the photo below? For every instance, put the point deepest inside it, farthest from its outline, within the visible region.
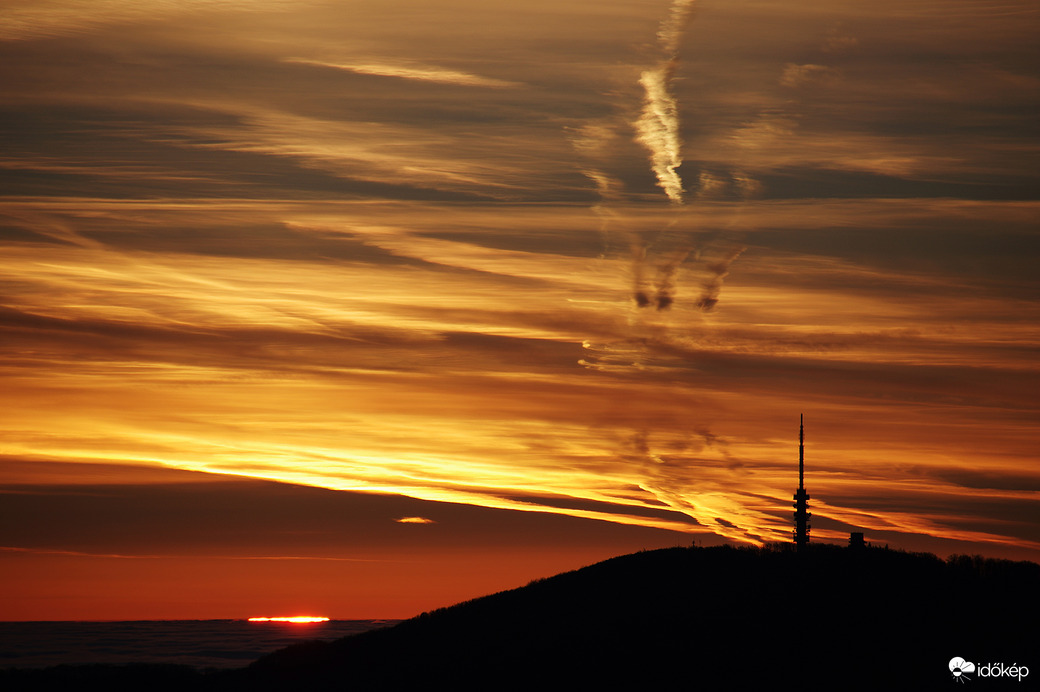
(670, 33)
(711, 286)
(666, 272)
(657, 128)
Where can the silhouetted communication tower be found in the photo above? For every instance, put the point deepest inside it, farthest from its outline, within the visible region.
(801, 498)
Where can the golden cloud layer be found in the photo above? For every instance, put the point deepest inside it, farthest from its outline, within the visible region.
(442, 266)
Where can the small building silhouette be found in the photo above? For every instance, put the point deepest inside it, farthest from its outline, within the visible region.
(856, 540)
(801, 497)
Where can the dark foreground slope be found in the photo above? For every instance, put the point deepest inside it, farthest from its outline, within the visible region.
(703, 618)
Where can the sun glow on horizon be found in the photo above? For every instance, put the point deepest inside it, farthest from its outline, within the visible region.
(294, 618)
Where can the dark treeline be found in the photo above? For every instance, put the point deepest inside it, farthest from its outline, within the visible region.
(704, 618)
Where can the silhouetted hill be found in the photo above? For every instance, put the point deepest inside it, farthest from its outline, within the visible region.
(704, 618)
(831, 618)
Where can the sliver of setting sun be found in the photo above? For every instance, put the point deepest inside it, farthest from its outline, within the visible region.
(295, 618)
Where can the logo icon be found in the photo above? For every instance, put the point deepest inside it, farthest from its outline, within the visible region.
(960, 668)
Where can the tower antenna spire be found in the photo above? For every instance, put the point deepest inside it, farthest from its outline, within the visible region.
(801, 450)
(801, 497)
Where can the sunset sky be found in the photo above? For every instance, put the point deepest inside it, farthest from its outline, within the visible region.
(363, 308)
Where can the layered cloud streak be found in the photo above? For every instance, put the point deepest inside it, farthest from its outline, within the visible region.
(233, 253)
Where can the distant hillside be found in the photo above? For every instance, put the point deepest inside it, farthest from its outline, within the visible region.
(723, 618)
(702, 618)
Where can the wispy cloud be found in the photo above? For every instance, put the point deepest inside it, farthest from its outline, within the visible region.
(23, 20)
(377, 265)
(134, 556)
(422, 73)
(508, 414)
(795, 75)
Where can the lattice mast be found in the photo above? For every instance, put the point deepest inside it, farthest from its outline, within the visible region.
(801, 498)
